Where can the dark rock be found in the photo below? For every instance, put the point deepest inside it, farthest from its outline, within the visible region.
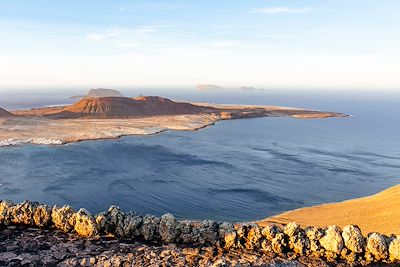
(150, 227)
(168, 228)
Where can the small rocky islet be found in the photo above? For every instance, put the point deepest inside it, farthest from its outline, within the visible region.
(33, 234)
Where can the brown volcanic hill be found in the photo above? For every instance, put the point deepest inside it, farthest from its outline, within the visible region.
(123, 107)
(4, 113)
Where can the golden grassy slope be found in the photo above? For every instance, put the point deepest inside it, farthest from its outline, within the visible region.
(376, 213)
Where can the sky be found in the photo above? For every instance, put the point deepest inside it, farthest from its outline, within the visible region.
(341, 44)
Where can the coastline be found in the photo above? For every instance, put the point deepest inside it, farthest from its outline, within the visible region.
(26, 128)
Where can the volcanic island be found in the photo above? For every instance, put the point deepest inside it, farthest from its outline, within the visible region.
(103, 116)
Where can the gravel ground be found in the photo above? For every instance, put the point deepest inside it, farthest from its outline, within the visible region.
(21, 246)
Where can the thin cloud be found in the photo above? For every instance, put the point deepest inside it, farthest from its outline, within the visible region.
(281, 10)
(138, 6)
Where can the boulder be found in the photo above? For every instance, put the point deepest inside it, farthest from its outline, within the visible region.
(253, 237)
(292, 229)
(62, 218)
(208, 232)
(332, 240)
(22, 213)
(230, 239)
(168, 228)
(270, 231)
(224, 228)
(353, 238)
(5, 206)
(130, 228)
(314, 234)
(279, 243)
(150, 227)
(266, 246)
(299, 243)
(394, 250)
(376, 245)
(186, 234)
(110, 220)
(42, 215)
(84, 223)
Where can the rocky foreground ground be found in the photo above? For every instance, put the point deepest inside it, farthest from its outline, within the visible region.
(20, 246)
(32, 234)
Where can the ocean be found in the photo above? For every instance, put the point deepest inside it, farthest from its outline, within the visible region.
(238, 170)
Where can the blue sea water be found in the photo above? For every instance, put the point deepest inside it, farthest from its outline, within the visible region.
(235, 170)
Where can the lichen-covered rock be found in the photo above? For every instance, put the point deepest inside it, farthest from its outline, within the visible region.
(5, 205)
(208, 232)
(299, 243)
(22, 213)
(376, 245)
(109, 222)
(292, 229)
(149, 228)
(353, 238)
(394, 249)
(168, 228)
(84, 223)
(314, 234)
(266, 246)
(230, 239)
(278, 243)
(348, 255)
(224, 228)
(186, 235)
(241, 234)
(61, 217)
(332, 241)
(42, 215)
(270, 231)
(130, 228)
(253, 237)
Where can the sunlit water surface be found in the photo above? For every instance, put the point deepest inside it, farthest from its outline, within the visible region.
(236, 170)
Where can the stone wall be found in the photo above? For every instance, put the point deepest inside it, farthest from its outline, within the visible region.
(331, 243)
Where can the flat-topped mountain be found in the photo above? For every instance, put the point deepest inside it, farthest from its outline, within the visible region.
(208, 87)
(100, 92)
(4, 113)
(124, 107)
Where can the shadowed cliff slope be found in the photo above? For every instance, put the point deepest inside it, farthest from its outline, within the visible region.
(4, 113)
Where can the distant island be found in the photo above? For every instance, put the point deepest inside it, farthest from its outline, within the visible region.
(99, 92)
(115, 116)
(247, 88)
(208, 87)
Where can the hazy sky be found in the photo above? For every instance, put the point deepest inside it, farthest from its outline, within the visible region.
(262, 43)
